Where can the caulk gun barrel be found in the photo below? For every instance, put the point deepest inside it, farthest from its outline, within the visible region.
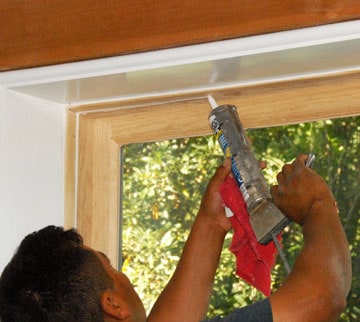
(265, 217)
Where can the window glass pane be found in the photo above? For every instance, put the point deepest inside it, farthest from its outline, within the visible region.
(163, 184)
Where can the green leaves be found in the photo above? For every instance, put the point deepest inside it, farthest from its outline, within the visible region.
(164, 182)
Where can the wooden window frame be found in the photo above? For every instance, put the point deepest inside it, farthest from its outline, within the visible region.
(96, 133)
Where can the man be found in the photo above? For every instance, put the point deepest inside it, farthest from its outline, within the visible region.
(53, 277)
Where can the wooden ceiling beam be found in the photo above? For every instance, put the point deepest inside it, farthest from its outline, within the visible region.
(46, 32)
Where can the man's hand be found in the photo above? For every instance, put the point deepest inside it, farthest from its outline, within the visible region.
(212, 205)
(298, 189)
(317, 287)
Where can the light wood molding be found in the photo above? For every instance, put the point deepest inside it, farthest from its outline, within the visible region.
(70, 171)
(98, 186)
(103, 131)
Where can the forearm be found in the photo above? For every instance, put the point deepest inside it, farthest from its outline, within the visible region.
(327, 250)
(320, 281)
(187, 295)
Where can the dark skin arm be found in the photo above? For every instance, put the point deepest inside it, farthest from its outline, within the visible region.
(317, 287)
(186, 297)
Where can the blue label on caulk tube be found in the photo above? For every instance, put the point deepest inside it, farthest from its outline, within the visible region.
(227, 152)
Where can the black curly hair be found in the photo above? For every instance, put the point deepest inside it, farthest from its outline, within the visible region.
(52, 277)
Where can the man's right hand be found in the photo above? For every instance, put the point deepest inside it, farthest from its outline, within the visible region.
(298, 189)
(320, 280)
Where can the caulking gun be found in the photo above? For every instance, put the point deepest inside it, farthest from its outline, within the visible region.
(266, 219)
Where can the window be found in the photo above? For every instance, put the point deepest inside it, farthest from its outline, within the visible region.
(103, 130)
(164, 182)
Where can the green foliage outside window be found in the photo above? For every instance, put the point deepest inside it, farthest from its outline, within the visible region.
(164, 182)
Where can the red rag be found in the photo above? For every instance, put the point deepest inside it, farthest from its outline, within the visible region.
(254, 261)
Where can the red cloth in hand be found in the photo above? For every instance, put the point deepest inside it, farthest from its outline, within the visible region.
(254, 261)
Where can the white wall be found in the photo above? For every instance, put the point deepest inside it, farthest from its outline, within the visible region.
(31, 167)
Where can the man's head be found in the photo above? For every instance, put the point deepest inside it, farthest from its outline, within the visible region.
(54, 277)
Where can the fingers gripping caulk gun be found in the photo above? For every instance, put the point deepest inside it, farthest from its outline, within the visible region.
(266, 219)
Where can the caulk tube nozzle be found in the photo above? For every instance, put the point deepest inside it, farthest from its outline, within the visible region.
(212, 102)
